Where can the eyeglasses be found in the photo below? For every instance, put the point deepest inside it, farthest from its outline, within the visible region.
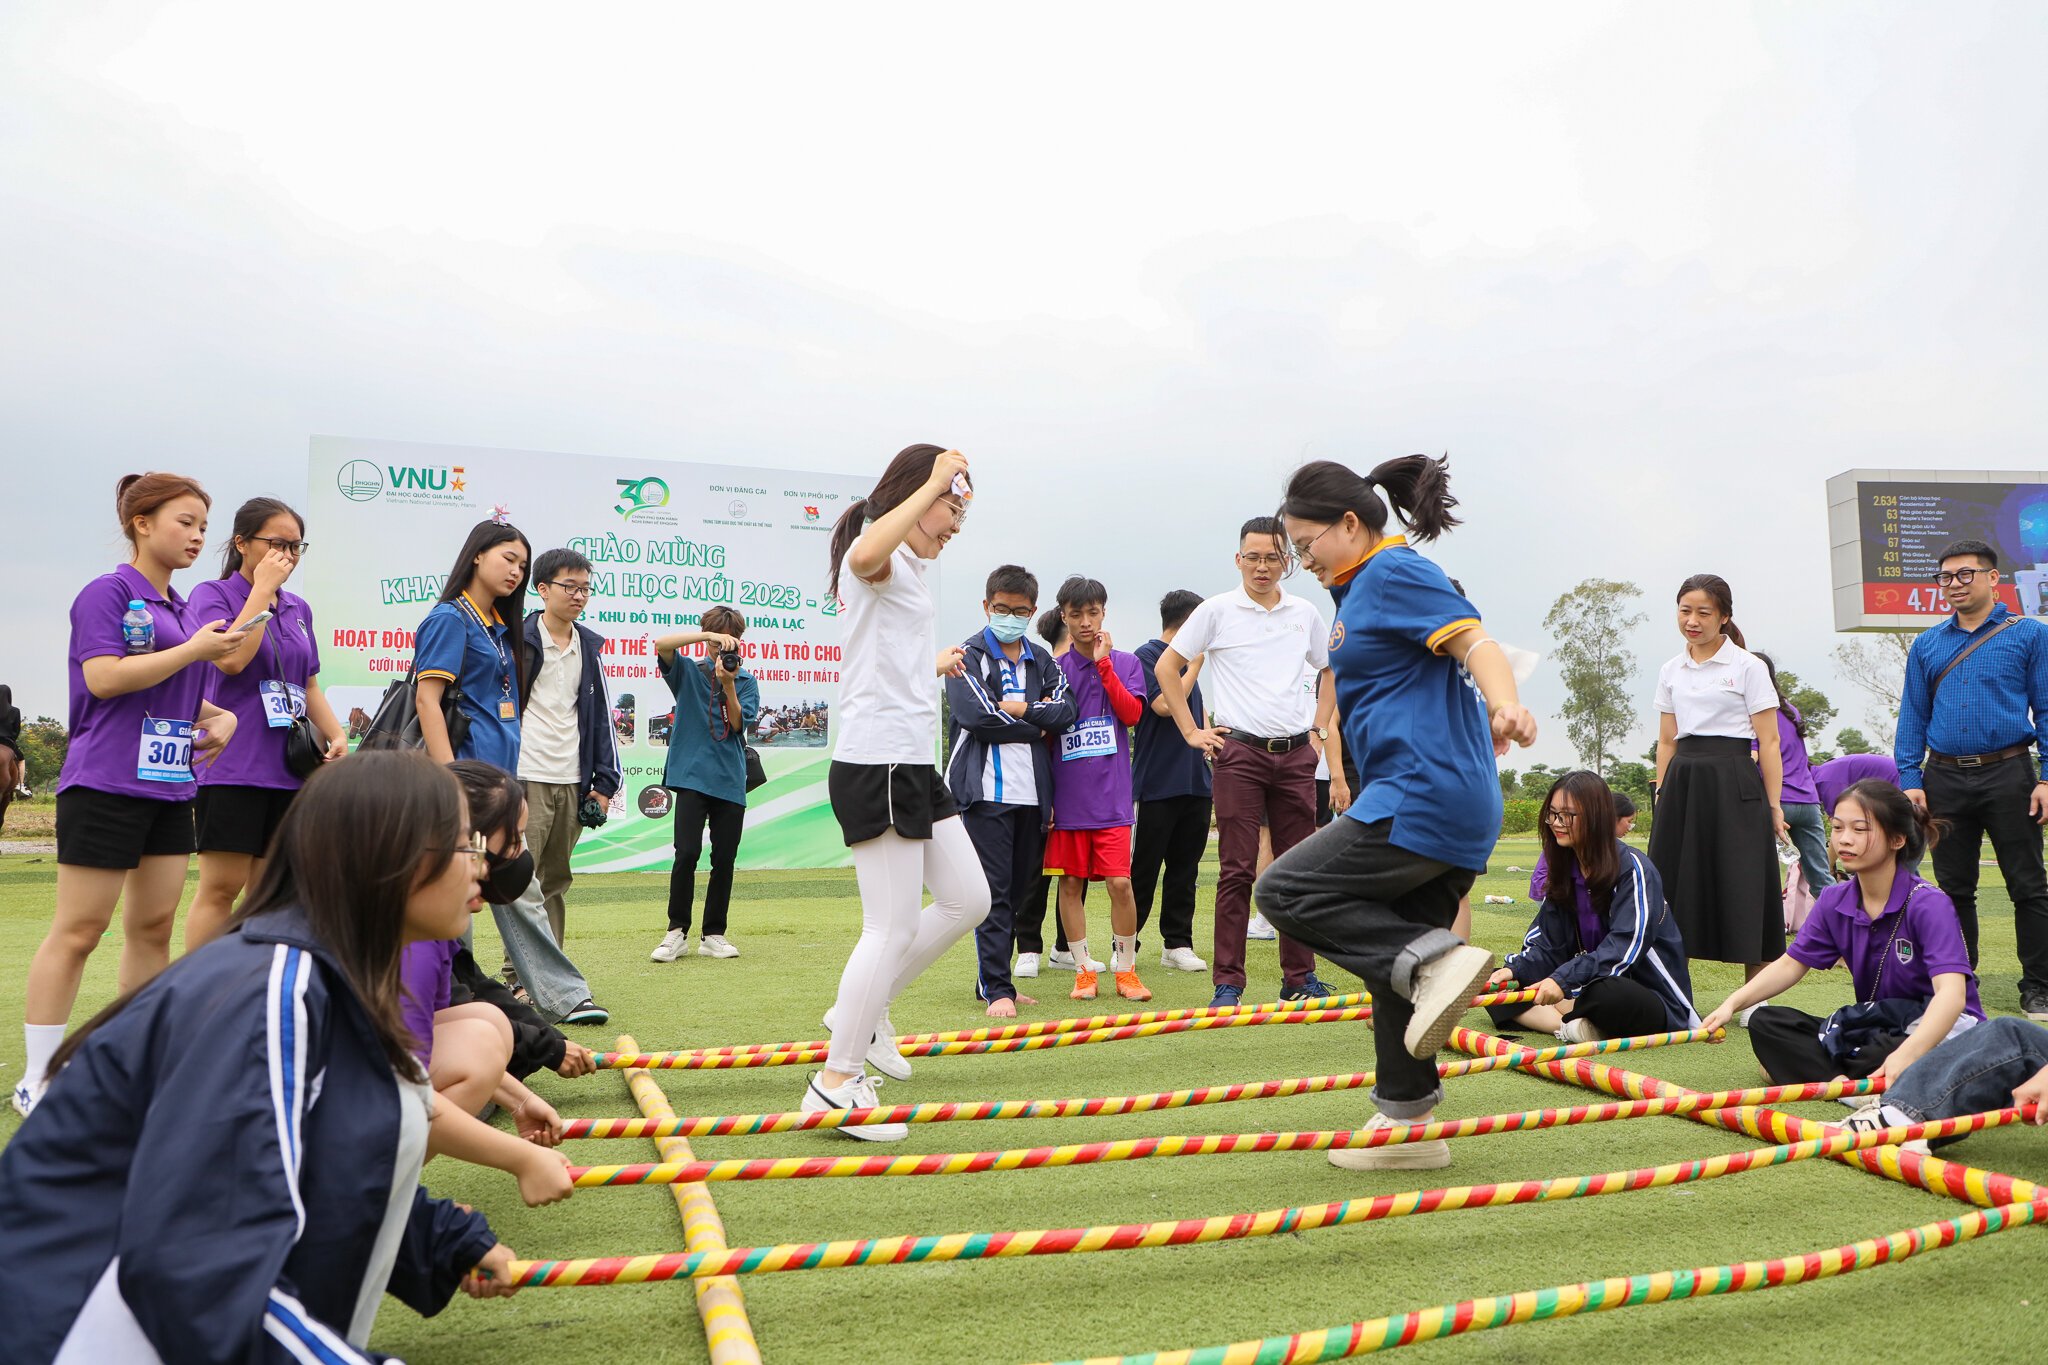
(1264, 561)
(1559, 818)
(1958, 577)
(290, 547)
(478, 848)
(959, 511)
(1302, 548)
(577, 591)
(1021, 613)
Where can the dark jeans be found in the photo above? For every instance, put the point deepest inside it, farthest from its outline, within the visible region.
(1976, 1070)
(1379, 912)
(1787, 1045)
(1011, 845)
(1614, 1005)
(1993, 800)
(693, 811)
(1250, 783)
(1173, 834)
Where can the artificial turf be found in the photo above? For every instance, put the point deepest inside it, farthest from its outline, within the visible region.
(1976, 1302)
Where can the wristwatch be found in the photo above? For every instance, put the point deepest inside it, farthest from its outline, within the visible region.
(1319, 732)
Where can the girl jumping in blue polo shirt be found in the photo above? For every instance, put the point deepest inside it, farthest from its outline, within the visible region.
(1428, 701)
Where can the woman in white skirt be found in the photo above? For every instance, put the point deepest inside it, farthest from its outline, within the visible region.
(887, 792)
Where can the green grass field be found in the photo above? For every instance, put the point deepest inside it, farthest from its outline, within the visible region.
(1974, 1302)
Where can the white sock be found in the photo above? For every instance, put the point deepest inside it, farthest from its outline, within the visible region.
(1123, 953)
(1079, 948)
(43, 1041)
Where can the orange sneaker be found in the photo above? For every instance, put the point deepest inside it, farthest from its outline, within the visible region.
(1084, 985)
(1130, 988)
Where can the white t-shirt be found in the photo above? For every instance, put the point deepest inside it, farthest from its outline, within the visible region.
(1719, 696)
(1252, 678)
(888, 691)
(1009, 776)
(549, 737)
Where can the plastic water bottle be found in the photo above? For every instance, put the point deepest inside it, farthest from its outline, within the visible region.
(138, 628)
(1500, 900)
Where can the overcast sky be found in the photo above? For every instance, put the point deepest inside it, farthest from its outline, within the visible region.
(1648, 273)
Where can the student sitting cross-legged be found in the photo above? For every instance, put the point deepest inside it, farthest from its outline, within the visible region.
(1901, 939)
(1604, 952)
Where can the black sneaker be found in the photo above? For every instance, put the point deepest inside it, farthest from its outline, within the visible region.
(589, 1012)
(2034, 1003)
(1312, 988)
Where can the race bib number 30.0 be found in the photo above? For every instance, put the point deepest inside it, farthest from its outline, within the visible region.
(165, 751)
(1094, 737)
(283, 702)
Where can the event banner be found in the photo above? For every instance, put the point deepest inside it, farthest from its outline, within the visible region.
(666, 541)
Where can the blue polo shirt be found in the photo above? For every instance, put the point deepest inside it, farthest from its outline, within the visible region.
(1412, 717)
(1162, 763)
(704, 753)
(472, 648)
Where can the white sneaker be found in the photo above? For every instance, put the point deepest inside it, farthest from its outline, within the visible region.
(1441, 993)
(714, 945)
(1260, 928)
(1401, 1156)
(1741, 1019)
(1064, 962)
(1578, 1031)
(1027, 965)
(26, 1097)
(1182, 960)
(1875, 1115)
(857, 1093)
(671, 946)
(882, 1054)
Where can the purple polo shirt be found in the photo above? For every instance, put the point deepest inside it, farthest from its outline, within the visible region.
(1836, 776)
(287, 653)
(1095, 792)
(106, 733)
(1914, 943)
(1798, 785)
(426, 977)
(1592, 928)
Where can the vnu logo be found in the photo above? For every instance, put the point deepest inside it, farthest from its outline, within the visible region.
(640, 495)
(422, 479)
(359, 481)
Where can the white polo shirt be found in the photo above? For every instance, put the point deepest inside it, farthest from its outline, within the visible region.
(549, 737)
(1253, 676)
(1719, 696)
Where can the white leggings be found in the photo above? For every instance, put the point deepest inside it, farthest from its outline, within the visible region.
(899, 935)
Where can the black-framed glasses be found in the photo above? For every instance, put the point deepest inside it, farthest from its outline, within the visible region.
(1559, 818)
(1272, 561)
(1958, 577)
(1021, 613)
(579, 592)
(290, 547)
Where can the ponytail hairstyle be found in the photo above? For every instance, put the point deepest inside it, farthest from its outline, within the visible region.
(1716, 587)
(138, 495)
(1785, 705)
(905, 475)
(1594, 849)
(494, 796)
(1895, 814)
(249, 519)
(1416, 488)
(1052, 627)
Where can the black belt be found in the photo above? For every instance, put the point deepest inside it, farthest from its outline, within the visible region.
(1977, 760)
(1271, 746)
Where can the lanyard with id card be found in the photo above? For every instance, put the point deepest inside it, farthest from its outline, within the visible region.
(508, 709)
(164, 752)
(1094, 737)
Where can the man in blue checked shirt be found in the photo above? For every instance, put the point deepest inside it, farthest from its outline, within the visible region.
(1975, 704)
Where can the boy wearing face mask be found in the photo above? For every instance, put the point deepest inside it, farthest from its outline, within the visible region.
(1006, 699)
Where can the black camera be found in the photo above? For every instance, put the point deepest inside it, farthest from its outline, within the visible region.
(593, 812)
(729, 660)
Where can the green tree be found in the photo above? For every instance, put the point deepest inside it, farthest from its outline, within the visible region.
(1535, 783)
(1508, 784)
(1814, 707)
(1852, 741)
(43, 742)
(1588, 625)
(1633, 778)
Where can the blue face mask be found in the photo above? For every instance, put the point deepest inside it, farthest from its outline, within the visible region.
(1006, 628)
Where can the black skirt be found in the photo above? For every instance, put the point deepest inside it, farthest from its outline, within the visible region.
(870, 799)
(1715, 849)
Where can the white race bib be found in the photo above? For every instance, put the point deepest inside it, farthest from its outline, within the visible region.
(164, 753)
(283, 702)
(1094, 737)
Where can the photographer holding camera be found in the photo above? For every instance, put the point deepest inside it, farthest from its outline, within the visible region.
(568, 755)
(717, 703)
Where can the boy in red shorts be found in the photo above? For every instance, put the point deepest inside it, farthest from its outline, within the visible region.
(1091, 787)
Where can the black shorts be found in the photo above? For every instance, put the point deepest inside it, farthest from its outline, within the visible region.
(106, 829)
(240, 819)
(873, 798)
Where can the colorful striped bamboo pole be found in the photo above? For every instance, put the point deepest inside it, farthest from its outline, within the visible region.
(1598, 1296)
(974, 1246)
(728, 1331)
